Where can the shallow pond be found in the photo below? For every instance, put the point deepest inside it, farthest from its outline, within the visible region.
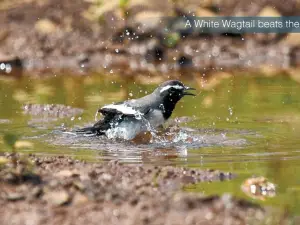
(248, 125)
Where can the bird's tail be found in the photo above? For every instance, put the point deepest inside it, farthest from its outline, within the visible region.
(88, 131)
(98, 128)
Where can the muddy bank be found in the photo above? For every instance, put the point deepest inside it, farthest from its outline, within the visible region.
(56, 190)
(83, 36)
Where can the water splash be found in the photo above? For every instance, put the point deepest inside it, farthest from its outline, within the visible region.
(149, 128)
(230, 111)
(96, 116)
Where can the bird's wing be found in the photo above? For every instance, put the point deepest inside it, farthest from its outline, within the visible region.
(127, 108)
(116, 113)
(106, 123)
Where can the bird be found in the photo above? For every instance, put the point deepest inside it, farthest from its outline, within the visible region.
(125, 120)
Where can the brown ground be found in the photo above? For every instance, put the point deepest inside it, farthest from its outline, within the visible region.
(66, 191)
(56, 35)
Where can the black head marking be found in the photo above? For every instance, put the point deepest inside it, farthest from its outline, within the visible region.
(170, 92)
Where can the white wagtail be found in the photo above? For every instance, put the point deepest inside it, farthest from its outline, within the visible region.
(127, 119)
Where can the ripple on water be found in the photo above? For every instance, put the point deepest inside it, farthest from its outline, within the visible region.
(169, 143)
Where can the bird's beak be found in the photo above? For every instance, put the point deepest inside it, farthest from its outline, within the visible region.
(186, 89)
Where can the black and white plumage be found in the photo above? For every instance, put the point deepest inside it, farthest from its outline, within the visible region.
(127, 119)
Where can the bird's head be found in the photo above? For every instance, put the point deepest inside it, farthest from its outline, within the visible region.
(172, 91)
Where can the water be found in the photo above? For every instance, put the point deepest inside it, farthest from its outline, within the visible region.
(248, 125)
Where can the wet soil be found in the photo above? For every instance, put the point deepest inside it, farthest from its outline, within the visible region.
(61, 190)
(57, 35)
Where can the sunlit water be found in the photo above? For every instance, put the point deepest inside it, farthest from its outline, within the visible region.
(245, 125)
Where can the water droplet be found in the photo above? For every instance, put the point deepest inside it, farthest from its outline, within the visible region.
(96, 115)
(2, 66)
(8, 68)
(230, 111)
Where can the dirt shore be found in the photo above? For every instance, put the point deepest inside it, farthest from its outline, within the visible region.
(59, 34)
(60, 190)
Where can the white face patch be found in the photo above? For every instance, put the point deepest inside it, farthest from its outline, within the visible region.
(123, 109)
(171, 86)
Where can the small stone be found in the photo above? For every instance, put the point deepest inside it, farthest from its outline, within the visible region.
(79, 185)
(3, 160)
(269, 11)
(202, 12)
(53, 183)
(79, 199)
(222, 176)
(292, 39)
(67, 173)
(187, 180)
(227, 201)
(106, 177)
(148, 20)
(14, 196)
(36, 192)
(57, 198)
(45, 26)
